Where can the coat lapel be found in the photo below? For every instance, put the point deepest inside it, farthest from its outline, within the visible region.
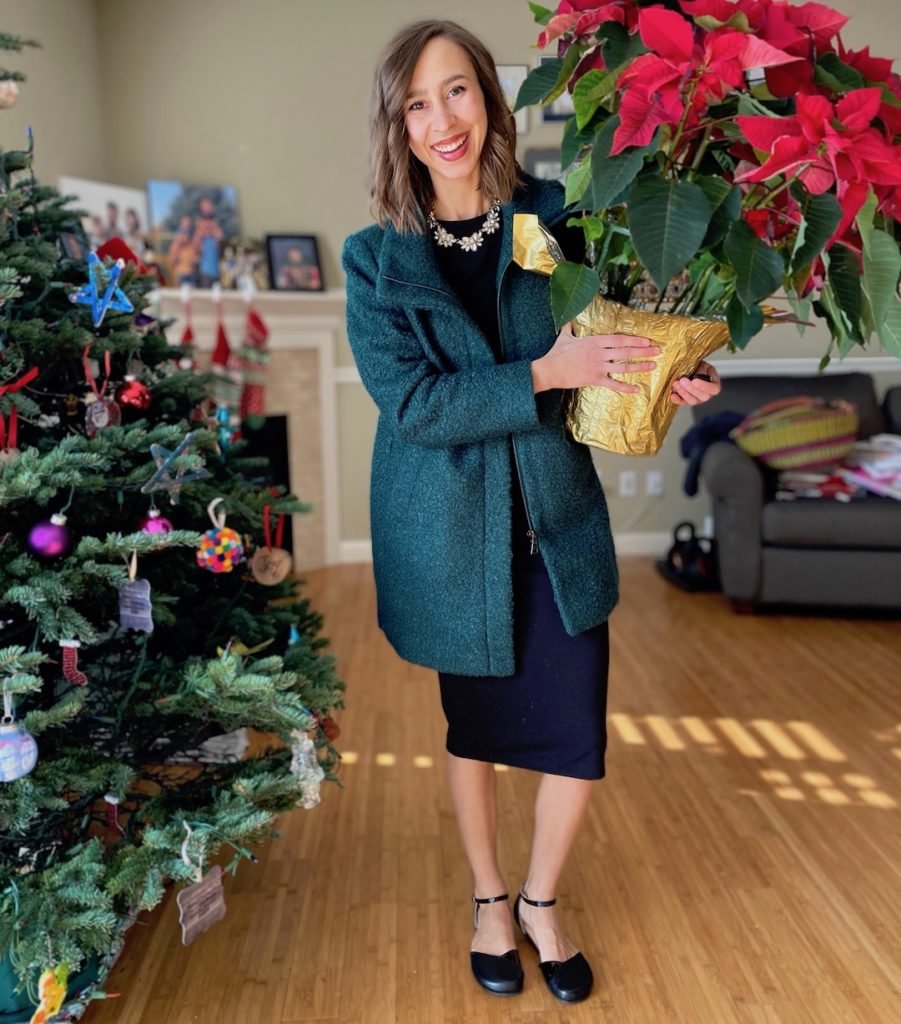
(408, 270)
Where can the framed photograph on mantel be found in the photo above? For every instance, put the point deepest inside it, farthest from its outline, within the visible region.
(294, 263)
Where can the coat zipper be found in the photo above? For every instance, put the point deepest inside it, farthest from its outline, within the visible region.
(530, 533)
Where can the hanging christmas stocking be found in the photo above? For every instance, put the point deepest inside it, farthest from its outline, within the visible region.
(254, 357)
(70, 662)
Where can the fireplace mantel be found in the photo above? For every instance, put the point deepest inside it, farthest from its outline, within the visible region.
(304, 329)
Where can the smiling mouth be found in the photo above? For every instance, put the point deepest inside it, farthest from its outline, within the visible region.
(450, 145)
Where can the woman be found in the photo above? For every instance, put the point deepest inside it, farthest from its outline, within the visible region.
(492, 549)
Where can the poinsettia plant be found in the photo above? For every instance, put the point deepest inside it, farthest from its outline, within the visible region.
(723, 153)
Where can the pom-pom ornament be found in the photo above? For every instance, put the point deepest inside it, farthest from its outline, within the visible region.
(156, 523)
(50, 538)
(134, 395)
(9, 94)
(221, 548)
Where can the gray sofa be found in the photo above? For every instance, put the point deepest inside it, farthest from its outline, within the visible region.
(809, 551)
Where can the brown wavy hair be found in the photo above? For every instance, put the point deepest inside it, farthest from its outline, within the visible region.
(399, 184)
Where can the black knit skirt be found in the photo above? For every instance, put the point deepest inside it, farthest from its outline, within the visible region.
(551, 715)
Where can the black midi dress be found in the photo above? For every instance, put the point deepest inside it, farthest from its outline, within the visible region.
(550, 716)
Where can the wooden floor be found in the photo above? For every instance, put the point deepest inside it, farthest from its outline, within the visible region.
(740, 863)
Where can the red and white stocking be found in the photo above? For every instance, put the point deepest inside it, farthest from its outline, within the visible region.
(70, 662)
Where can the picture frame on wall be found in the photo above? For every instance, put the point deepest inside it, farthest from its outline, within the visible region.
(543, 163)
(511, 77)
(562, 107)
(294, 263)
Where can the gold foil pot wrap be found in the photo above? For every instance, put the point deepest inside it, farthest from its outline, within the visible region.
(636, 423)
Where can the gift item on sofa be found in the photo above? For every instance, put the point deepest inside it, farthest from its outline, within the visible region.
(875, 465)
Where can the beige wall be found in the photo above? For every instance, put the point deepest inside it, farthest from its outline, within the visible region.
(272, 98)
(61, 99)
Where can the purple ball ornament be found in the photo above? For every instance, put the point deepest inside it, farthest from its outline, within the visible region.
(156, 523)
(50, 538)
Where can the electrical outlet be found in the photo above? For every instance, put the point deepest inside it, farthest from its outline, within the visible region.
(653, 483)
(628, 483)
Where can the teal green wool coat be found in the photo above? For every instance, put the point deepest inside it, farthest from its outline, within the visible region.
(442, 469)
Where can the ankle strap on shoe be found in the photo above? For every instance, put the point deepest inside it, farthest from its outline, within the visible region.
(491, 899)
(481, 902)
(536, 903)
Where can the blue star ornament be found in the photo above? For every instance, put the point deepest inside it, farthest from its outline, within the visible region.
(102, 292)
(162, 479)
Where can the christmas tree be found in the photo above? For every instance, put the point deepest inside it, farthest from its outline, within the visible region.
(139, 642)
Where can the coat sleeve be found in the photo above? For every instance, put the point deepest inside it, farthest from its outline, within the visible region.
(428, 406)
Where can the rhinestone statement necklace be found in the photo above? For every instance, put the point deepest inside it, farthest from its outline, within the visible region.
(468, 243)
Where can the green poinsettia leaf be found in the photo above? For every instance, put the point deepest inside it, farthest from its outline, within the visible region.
(839, 325)
(890, 328)
(836, 75)
(574, 140)
(743, 323)
(541, 14)
(844, 274)
(725, 201)
(758, 268)
(612, 175)
(881, 267)
(539, 84)
(618, 47)
(821, 217)
(590, 92)
(577, 181)
(668, 220)
(573, 286)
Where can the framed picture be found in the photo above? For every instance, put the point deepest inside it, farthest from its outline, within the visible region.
(244, 262)
(562, 107)
(511, 77)
(111, 211)
(294, 263)
(543, 163)
(188, 225)
(74, 244)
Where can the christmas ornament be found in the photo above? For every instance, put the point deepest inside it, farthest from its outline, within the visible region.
(306, 768)
(102, 291)
(70, 662)
(52, 987)
(254, 360)
(9, 94)
(18, 750)
(135, 609)
(112, 814)
(134, 395)
(203, 904)
(118, 249)
(220, 548)
(10, 436)
(162, 478)
(225, 432)
(101, 411)
(50, 538)
(293, 636)
(270, 565)
(156, 523)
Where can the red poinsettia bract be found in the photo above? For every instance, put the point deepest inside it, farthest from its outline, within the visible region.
(825, 145)
(581, 17)
(657, 85)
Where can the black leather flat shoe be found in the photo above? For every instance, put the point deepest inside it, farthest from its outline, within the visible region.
(501, 975)
(569, 980)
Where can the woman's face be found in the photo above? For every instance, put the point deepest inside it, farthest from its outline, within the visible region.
(445, 113)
